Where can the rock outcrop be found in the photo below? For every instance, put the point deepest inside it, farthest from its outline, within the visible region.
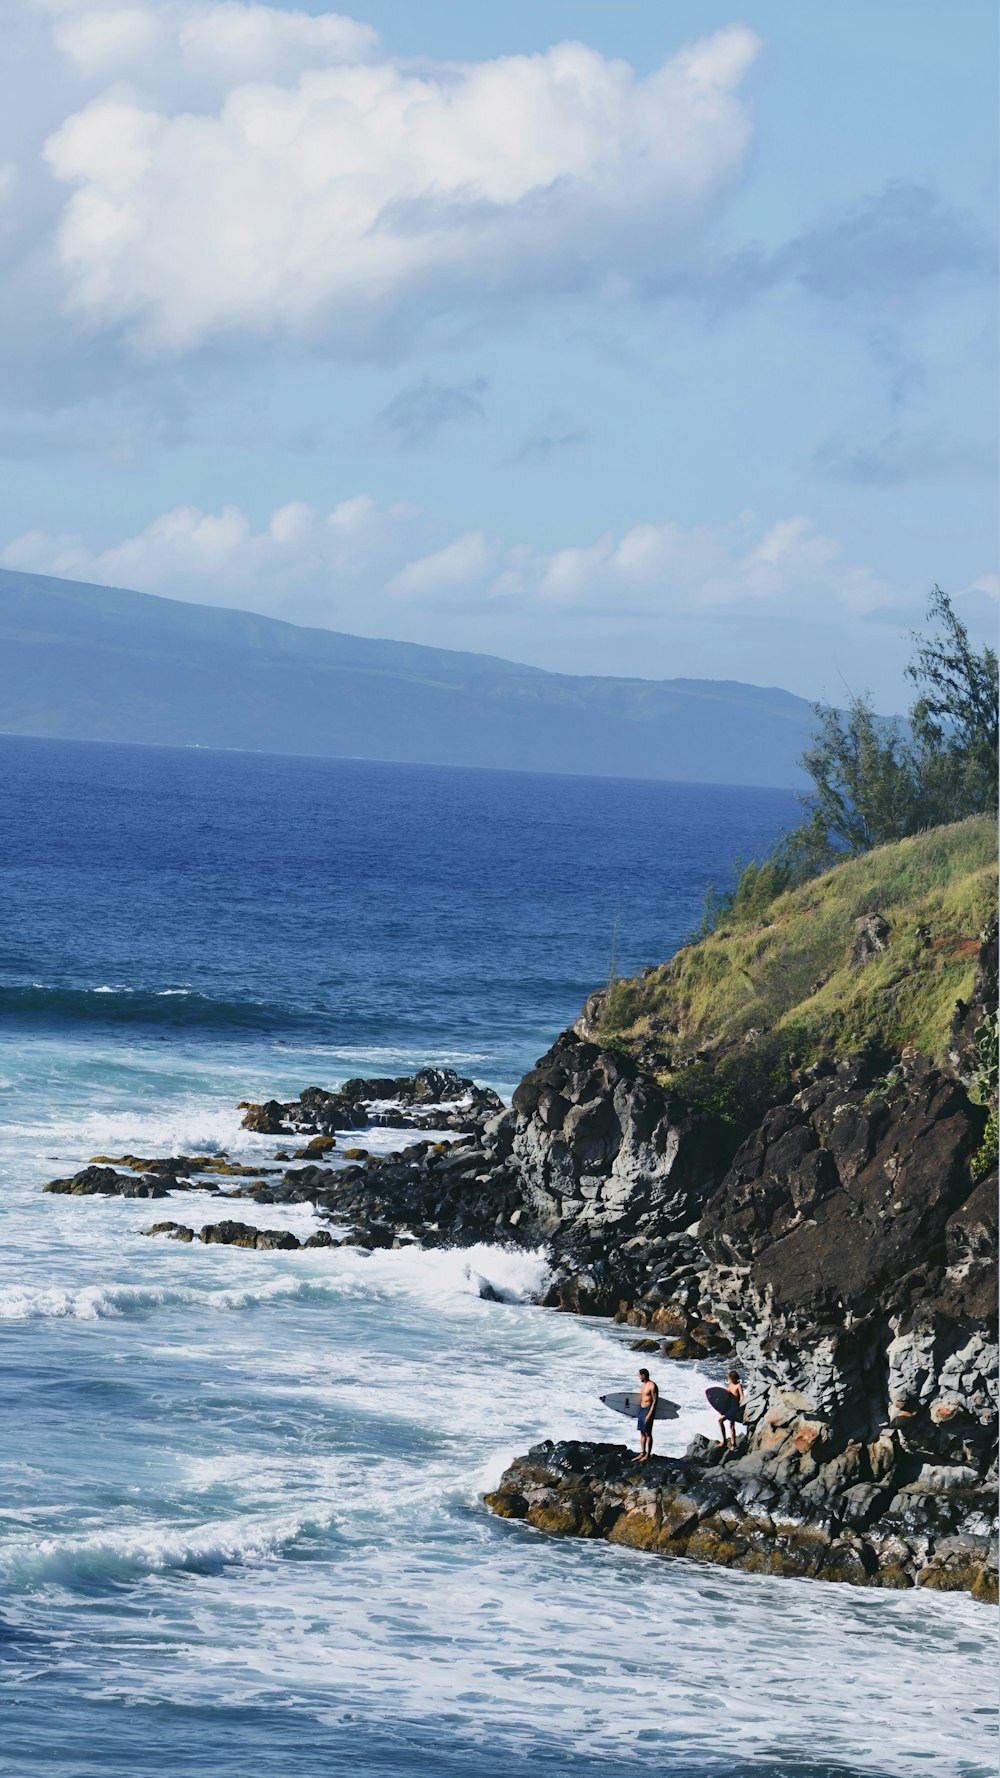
(612, 1172)
(432, 1099)
(844, 1249)
(600, 1146)
(873, 1517)
(846, 1239)
(847, 1256)
(105, 1182)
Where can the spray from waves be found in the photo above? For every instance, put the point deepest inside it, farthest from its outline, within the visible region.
(115, 1555)
(102, 1302)
(188, 1127)
(440, 1275)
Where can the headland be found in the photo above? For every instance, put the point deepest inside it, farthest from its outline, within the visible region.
(778, 1148)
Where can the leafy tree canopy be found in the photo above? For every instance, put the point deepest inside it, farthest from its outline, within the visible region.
(875, 780)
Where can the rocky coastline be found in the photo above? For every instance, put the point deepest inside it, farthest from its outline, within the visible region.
(843, 1250)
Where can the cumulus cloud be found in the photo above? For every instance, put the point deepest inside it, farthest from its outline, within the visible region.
(285, 568)
(764, 602)
(363, 557)
(207, 47)
(266, 172)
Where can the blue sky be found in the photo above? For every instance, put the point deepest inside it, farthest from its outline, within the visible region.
(651, 339)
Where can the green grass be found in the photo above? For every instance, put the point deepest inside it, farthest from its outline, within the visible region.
(764, 995)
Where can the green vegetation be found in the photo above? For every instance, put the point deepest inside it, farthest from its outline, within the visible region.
(873, 782)
(773, 988)
(984, 1091)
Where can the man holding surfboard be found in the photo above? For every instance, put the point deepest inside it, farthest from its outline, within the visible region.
(648, 1394)
(728, 1404)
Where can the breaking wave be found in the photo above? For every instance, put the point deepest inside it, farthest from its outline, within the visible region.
(41, 1006)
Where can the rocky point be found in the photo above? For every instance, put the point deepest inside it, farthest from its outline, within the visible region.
(843, 1250)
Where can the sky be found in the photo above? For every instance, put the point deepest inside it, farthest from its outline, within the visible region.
(652, 338)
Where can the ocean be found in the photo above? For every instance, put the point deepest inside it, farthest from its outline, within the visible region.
(241, 1524)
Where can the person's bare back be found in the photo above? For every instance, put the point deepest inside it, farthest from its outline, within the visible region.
(727, 1420)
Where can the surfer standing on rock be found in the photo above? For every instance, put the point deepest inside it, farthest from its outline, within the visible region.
(728, 1404)
(648, 1395)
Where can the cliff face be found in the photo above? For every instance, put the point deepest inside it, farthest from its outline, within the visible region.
(851, 1258)
(843, 1248)
(611, 1174)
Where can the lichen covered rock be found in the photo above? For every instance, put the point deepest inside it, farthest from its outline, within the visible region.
(747, 1511)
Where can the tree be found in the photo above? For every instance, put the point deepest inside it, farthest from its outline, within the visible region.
(955, 717)
(874, 781)
(863, 777)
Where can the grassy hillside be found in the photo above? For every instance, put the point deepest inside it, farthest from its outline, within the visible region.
(728, 1017)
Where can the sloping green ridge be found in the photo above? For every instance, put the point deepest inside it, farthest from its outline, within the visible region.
(758, 997)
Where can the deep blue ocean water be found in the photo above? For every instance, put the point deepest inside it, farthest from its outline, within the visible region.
(241, 1529)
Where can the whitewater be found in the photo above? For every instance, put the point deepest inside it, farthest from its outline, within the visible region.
(241, 1520)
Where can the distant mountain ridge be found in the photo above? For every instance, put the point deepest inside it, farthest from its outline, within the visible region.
(86, 662)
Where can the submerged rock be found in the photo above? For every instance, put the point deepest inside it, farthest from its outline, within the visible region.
(105, 1182)
(244, 1234)
(433, 1098)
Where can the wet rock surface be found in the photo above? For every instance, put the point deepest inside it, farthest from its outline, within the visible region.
(433, 1098)
(873, 1520)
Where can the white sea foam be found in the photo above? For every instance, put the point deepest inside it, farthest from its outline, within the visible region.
(273, 1490)
(111, 1555)
(435, 1276)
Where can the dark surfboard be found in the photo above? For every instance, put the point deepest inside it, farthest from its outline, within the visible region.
(724, 1403)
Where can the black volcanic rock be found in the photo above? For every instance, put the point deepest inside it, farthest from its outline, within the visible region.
(843, 1192)
(872, 1519)
(244, 1234)
(845, 1251)
(105, 1182)
(432, 1099)
(598, 1144)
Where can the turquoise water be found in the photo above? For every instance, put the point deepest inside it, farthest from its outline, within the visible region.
(241, 1528)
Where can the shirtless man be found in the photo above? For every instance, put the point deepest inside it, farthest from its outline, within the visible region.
(648, 1395)
(729, 1418)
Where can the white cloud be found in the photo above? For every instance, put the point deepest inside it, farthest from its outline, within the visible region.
(270, 172)
(317, 566)
(222, 44)
(460, 568)
(295, 565)
(101, 41)
(767, 603)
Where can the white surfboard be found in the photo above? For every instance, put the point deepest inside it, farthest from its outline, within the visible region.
(630, 1403)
